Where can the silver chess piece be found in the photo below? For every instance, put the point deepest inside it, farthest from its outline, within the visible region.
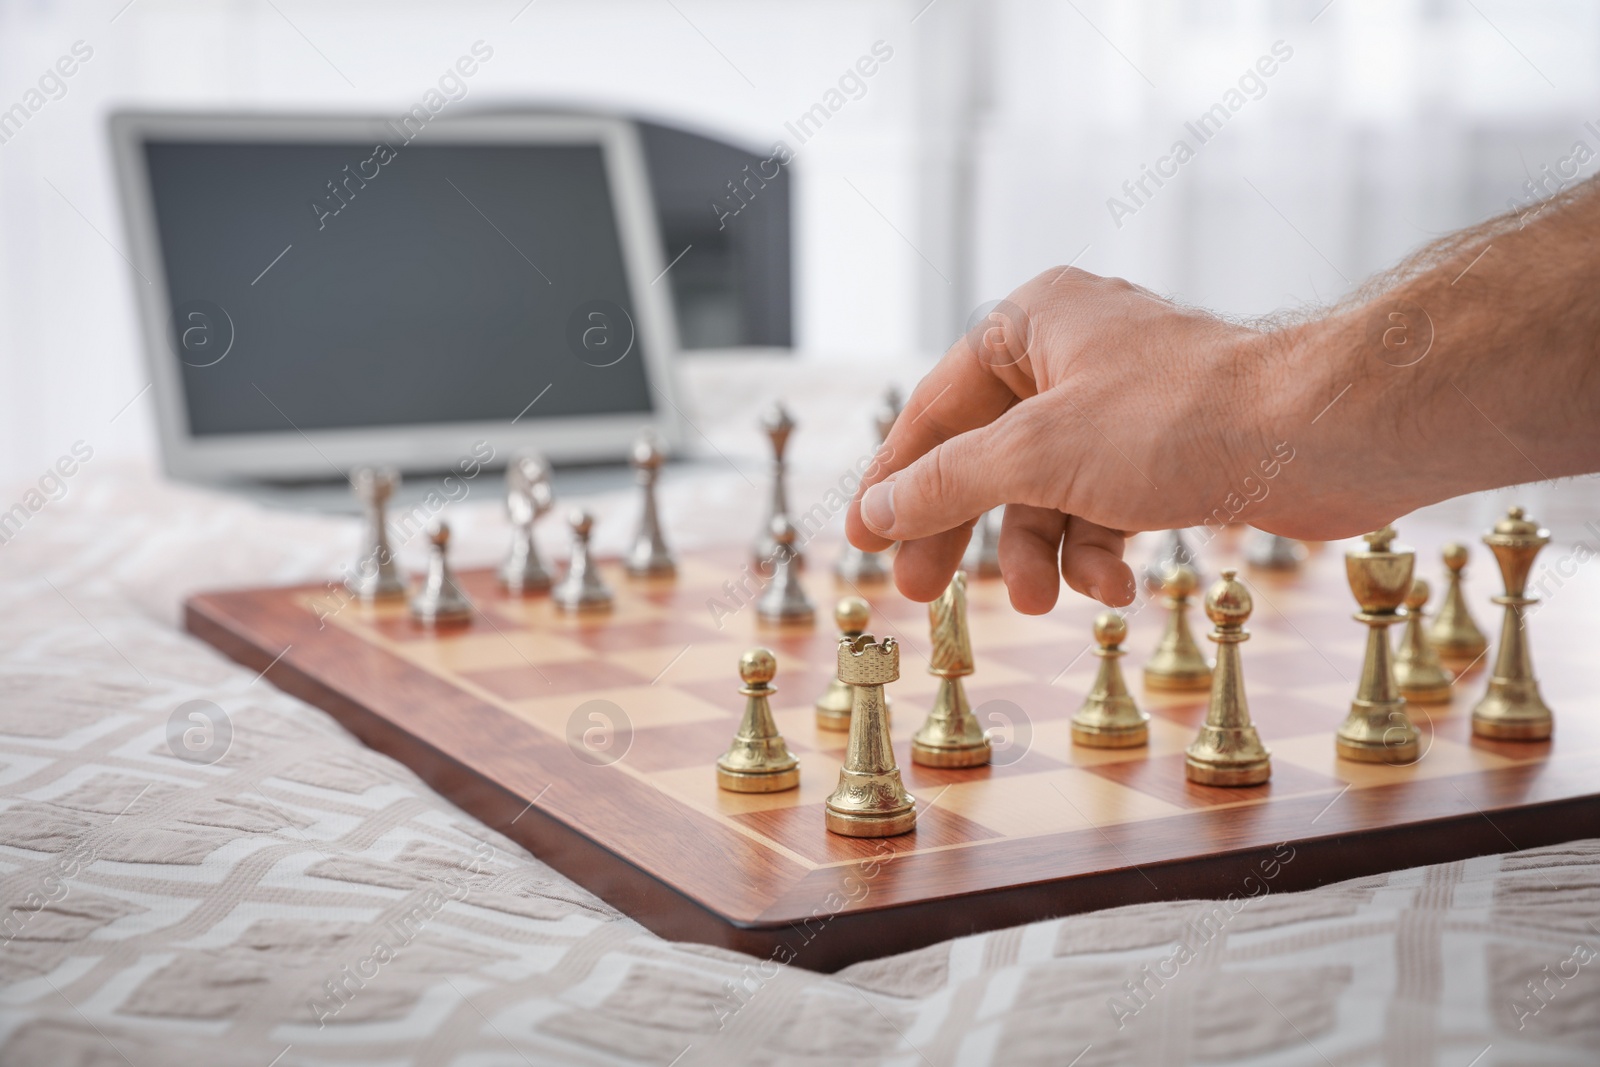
(856, 565)
(529, 496)
(376, 575)
(1170, 550)
(778, 425)
(440, 601)
(649, 556)
(983, 551)
(1272, 552)
(785, 598)
(581, 589)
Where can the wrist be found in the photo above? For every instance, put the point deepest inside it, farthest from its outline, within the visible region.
(1329, 417)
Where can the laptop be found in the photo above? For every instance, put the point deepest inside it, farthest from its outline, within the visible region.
(322, 292)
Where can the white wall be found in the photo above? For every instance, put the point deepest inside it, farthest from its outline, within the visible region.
(984, 152)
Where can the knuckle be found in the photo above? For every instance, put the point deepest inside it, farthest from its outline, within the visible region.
(943, 475)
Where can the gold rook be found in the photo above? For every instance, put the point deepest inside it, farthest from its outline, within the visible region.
(870, 800)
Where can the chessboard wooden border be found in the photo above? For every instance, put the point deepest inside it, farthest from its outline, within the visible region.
(737, 895)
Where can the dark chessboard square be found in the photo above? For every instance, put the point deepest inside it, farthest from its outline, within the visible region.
(1286, 715)
(802, 830)
(651, 633)
(687, 744)
(531, 682)
(1163, 777)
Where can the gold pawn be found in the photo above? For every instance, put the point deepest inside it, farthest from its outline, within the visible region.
(1512, 709)
(1416, 665)
(1454, 633)
(758, 760)
(1228, 751)
(1177, 663)
(1109, 718)
(851, 614)
(870, 800)
(1378, 728)
(950, 736)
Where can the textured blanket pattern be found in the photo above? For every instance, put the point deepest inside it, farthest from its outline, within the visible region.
(290, 897)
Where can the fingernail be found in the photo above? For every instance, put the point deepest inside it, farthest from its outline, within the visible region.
(1094, 592)
(877, 508)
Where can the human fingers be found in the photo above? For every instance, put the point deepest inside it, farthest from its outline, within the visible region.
(1091, 562)
(923, 568)
(976, 381)
(1030, 544)
(1020, 458)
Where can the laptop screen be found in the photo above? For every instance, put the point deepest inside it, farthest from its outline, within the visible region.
(325, 286)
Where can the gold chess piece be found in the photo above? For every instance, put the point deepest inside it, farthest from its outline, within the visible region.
(1378, 728)
(851, 615)
(1416, 664)
(1454, 634)
(1228, 751)
(1512, 709)
(870, 800)
(1109, 718)
(758, 760)
(1177, 662)
(951, 736)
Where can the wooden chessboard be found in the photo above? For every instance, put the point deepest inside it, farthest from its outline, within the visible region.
(592, 741)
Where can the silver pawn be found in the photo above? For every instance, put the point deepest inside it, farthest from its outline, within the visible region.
(440, 602)
(529, 496)
(778, 425)
(1273, 553)
(649, 556)
(983, 551)
(581, 589)
(856, 565)
(785, 598)
(1171, 550)
(376, 575)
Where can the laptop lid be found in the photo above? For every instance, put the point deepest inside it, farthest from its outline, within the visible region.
(319, 292)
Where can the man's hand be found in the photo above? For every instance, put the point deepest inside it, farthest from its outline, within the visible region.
(1088, 405)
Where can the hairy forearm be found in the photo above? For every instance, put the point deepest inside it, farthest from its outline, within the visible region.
(1471, 366)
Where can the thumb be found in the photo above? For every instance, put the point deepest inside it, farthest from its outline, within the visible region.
(954, 482)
